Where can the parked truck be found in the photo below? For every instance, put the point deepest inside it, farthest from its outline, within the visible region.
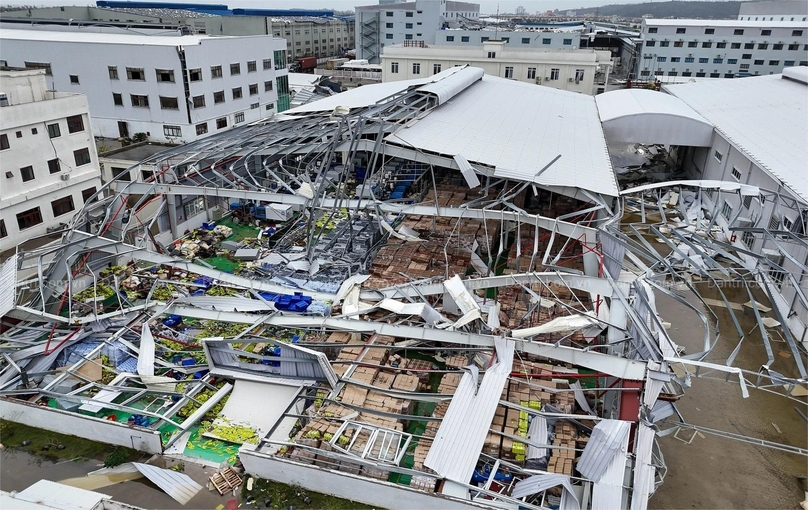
(306, 64)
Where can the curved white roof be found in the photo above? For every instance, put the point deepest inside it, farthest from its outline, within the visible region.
(647, 116)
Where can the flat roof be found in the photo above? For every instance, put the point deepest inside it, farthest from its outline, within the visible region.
(108, 38)
(724, 23)
(136, 153)
(764, 116)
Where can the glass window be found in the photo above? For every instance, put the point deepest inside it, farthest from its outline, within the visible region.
(681, 30)
(135, 73)
(3, 231)
(165, 75)
(238, 118)
(464, 38)
(62, 205)
(199, 101)
(709, 31)
(202, 128)
(53, 166)
(172, 131)
(664, 44)
(82, 156)
(416, 68)
(531, 73)
(251, 66)
(235, 69)
(526, 40)
(29, 218)
(692, 44)
(75, 124)
(394, 67)
(53, 131)
(117, 99)
(703, 60)
(436, 68)
(388, 36)
(113, 72)
(706, 45)
(236, 92)
(567, 42)
(650, 44)
(449, 38)
(27, 173)
(139, 101)
(169, 103)
(221, 123)
(87, 194)
(407, 36)
(253, 89)
(652, 30)
(554, 74)
(267, 86)
(267, 65)
(215, 71)
(509, 72)
(218, 97)
(738, 31)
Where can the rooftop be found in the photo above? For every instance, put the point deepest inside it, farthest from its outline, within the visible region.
(136, 152)
(770, 127)
(109, 38)
(723, 23)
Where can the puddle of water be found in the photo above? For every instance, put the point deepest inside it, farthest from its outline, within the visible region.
(93, 482)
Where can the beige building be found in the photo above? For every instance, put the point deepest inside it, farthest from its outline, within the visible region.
(573, 70)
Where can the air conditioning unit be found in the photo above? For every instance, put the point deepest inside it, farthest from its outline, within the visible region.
(745, 223)
(65, 177)
(774, 256)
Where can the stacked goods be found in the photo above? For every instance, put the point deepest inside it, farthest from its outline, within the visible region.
(365, 374)
(564, 452)
(378, 474)
(385, 403)
(384, 380)
(404, 382)
(349, 354)
(491, 445)
(332, 410)
(456, 362)
(353, 395)
(423, 483)
(419, 368)
(325, 461)
(449, 383)
(329, 342)
(302, 456)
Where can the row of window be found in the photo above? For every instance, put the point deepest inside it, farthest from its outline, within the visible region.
(308, 42)
(167, 75)
(525, 40)
(737, 31)
(306, 32)
(743, 68)
(172, 103)
(722, 45)
(531, 71)
(75, 124)
(771, 18)
(33, 217)
(80, 156)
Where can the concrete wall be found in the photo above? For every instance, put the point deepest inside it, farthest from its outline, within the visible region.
(73, 424)
(355, 488)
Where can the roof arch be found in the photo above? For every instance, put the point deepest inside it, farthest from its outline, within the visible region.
(648, 116)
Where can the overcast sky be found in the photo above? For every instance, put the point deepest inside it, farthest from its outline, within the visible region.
(486, 6)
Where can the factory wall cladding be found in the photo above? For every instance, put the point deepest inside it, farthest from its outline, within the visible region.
(87, 427)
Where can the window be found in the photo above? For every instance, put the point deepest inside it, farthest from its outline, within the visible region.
(677, 44)
(147, 175)
(718, 61)
(483, 39)
(135, 73)
(87, 194)
(121, 174)
(661, 59)
(113, 72)
(253, 106)
(62, 205)
(74, 79)
(492, 54)
(53, 132)
(193, 75)
(567, 42)
(687, 73)
(531, 73)
(172, 131)
(673, 73)
(202, 128)
(82, 156)
(721, 45)
(718, 156)
(735, 46)
(408, 14)
(237, 93)
(744, 66)
(749, 46)
(27, 173)
(706, 45)
(218, 97)
(40, 65)
(758, 62)
(736, 174)
(416, 68)
(394, 67)
(389, 14)
(165, 75)
(253, 89)
(199, 101)
(746, 56)
(464, 38)
(269, 106)
(388, 36)
(268, 86)
(194, 207)
(169, 103)
(675, 59)
(709, 31)
(579, 75)
(765, 32)
(793, 47)
(732, 61)
(763, 46)
(681, 30)
(777, 47)
(748, 238)
(221, 123)
(692, 44)
(509, 72)
(251, 66)
(117, 99)
(726, 210)
(650, 44)
(774, 62)
(788, 63)
(388, 25)
(436, 68)
(407, 36)
(408, 25)
(3, 231)
(738, 31)
(139, 101)
(215, 71)
(652, 30)
(449, 38)
(75, 124)
(526, 40)
(689, 60)
(29, 218)
(664, 44)
(747, 201)
(554, 74)
(53, 166)
(267, 63)
(703, 60)
(239, 117)
(235, 69)
(796, 33)
(715, 75)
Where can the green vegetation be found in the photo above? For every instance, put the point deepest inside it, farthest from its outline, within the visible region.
(47, 444)
(115, 458)
(269, 494)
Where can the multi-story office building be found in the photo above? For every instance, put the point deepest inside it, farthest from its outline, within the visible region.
(173, 88)
(777, 10)
(720, 48)
(572, 70)
(544, 39)
(49, 163)
(393, 23)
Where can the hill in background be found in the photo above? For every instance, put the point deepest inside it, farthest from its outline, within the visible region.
(714, 10)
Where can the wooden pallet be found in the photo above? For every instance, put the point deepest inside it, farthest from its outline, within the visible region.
(226, 480)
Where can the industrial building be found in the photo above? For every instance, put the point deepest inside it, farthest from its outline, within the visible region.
(720, 48)
(50, 167)
(775, 10)
(172, 87)
(393, 23)
(584, 71)
(437, 289)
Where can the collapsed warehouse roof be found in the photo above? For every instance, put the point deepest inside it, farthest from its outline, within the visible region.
(434, 309)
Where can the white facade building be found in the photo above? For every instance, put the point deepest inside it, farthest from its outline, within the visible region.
(720, 48)
(49, 162)
(381, 25)
(776, 10)
(572, 70)
(545, 39)
(174, 88)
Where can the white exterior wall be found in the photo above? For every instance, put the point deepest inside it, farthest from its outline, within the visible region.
(778, 10)
(759, 61)
(90, 61)
(35, 150)
(535, 39)
(567, 62)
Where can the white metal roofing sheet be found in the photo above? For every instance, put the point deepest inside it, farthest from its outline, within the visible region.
(259, 404)
(449, 87)
(177, 485)
(769, 127)
(723, 23)
(605, 443)
(8, 280)
(518, 128)
(58, 495)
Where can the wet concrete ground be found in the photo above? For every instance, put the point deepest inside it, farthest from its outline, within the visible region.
(714, 472)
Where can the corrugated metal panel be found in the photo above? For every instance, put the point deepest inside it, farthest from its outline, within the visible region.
(450, 86)
(605, 443)
(537, 433)
(8, 281)
(58, 495)
(538, 483)
(459, 440)
(608, 492)
(227, 304)
(644, 472)
(662, 410)
(518, 128)
(177, 485)
(579, 397)
(145, 358)
(259, 404)
(467, 170)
